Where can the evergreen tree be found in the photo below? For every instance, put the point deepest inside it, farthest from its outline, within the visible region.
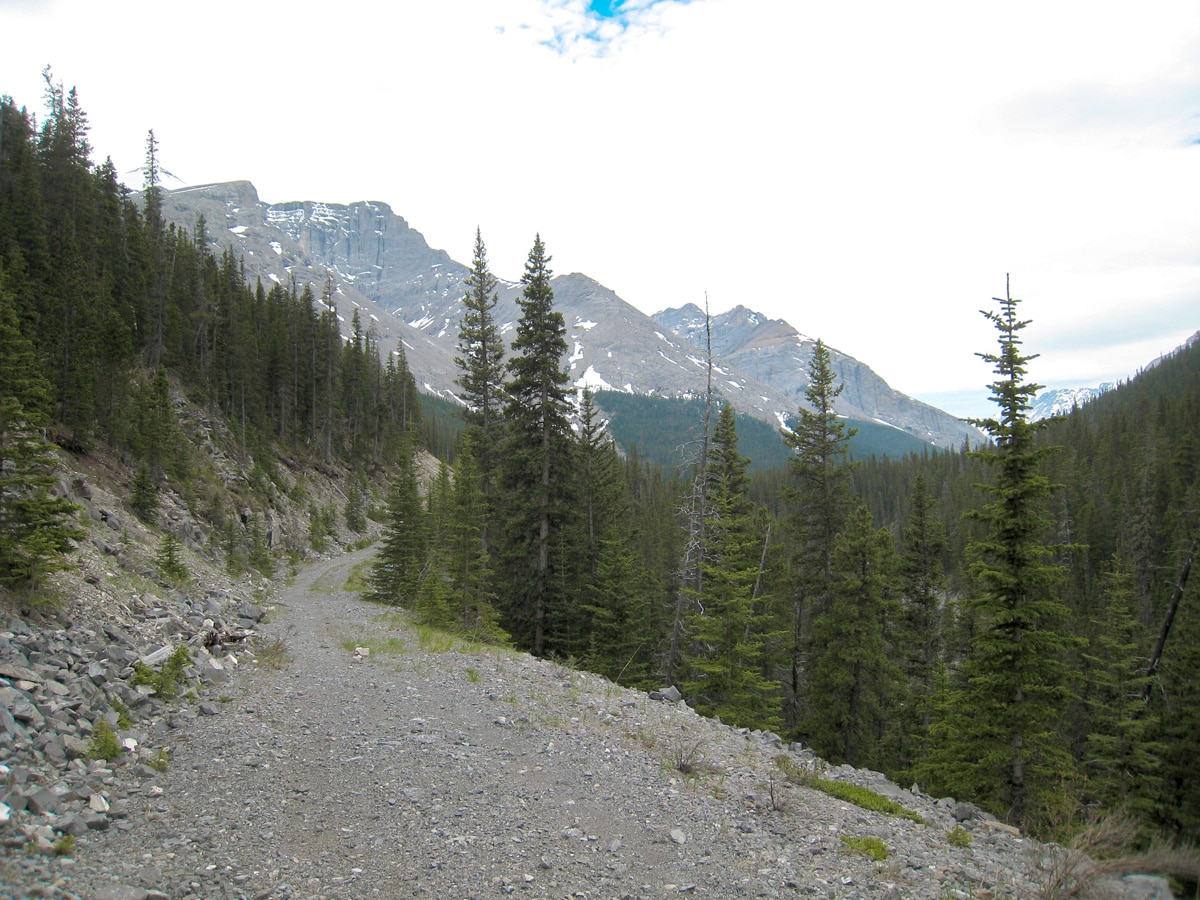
(923, 581)
(1120, 759)
(435, 600)
(999, 744)
(819, 498)
(468, 566)
(480, 362)
(399, 566)
(36, 526)
(169, 561)
(537, 454)
(731, 626)
(851, 670)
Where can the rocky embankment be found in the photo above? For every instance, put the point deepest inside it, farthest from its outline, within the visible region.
(348, 755)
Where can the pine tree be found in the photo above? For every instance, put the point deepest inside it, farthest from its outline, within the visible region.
(730, 629)
(36, 527)
(1120, 759)
(468, 566)
(480, 362)
(819, 498)
(999, 745)
(923, 580)
(851, 670)
(399, 566)
(537, 454)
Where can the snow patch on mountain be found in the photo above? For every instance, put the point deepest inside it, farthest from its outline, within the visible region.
(1060, 401)
(595, 381)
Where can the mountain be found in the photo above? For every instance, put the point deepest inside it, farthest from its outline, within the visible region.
(770, 351)
(378, 265)
(1060, 401)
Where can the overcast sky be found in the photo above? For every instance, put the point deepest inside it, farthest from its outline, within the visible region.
(869, 172)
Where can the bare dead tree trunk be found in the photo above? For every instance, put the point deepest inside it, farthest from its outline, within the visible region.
(1168, 619)
(691, 571)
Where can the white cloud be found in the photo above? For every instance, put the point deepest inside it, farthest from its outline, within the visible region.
(870, 172)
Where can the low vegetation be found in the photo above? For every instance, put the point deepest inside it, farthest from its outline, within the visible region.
(104, 743)
(867, 846)
(843, 790)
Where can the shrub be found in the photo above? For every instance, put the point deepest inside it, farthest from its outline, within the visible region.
(958, 837)
(104, 744)
(868, 846)
(165, 681)
(842, 790)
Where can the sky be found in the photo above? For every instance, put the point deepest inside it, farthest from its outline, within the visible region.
(871, 172)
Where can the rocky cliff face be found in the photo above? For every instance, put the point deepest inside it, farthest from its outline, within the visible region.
(408, 292)
(772, 352)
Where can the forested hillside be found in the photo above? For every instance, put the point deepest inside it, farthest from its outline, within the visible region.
(982, 623)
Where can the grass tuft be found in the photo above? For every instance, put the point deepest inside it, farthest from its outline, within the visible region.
(842, 790)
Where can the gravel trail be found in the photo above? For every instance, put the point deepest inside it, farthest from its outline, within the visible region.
(433, 770)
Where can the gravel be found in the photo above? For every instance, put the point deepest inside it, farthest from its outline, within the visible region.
(359, 757)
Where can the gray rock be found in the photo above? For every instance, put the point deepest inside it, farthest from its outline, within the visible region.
(965, 812)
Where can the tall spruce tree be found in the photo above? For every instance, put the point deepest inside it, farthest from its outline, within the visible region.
(998, 741)
(537, 456)
(468, 565)
(399, 566)
(1121, 760)
(819, 498)
(36, 527)
(923, 581)
(852, 673)
(480, 362)
(731, 624)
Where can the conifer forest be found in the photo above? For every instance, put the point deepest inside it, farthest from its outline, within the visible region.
(1010, 624)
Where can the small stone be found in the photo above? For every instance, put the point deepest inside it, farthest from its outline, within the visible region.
(678, 836)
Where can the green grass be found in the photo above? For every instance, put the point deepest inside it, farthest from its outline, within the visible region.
(356, 581)
(867, 846)
(842, 790)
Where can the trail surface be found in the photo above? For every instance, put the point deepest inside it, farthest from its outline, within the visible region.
(433, 770)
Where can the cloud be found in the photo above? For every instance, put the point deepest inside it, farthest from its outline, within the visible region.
(597, 28)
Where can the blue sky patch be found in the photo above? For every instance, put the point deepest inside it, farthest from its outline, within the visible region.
(605, 9)
(601, 22)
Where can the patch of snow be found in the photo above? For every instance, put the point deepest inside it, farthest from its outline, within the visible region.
(576, 355)
(274, 277)
(888, 424)
(374, 318)
(423, 322)
(586, 326)
(277, 247)
(592, 379)
(239, 229)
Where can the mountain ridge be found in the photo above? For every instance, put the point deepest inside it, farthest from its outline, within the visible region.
(372, 261)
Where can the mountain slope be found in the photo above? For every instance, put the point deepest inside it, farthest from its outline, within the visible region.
(409, 292)
(771, 351)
